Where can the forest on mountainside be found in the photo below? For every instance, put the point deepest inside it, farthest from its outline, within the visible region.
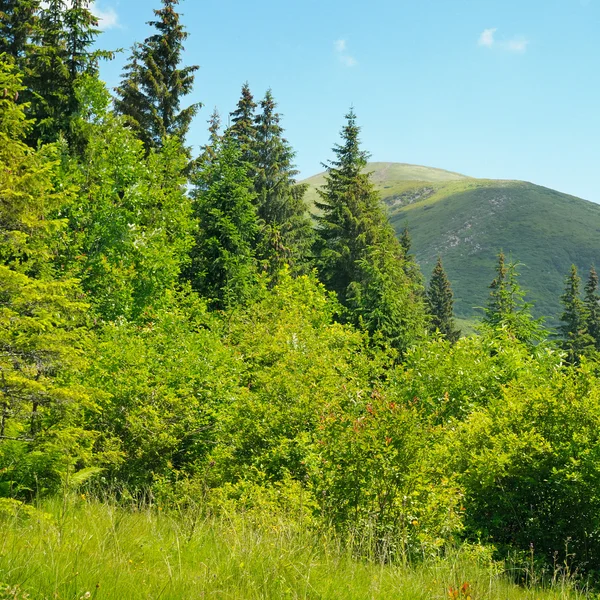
(178, 331)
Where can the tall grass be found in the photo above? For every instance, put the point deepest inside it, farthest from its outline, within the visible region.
(89, 549)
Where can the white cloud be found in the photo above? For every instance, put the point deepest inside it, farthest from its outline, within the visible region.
(340, 45)
(517, 45)
(487, 38)
(346, 59)
(108, 18)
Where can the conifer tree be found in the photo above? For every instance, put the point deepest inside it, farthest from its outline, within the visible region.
(577, 341)
(60, 54)
(441, 302)
(358, 255)
(207, 152)
(507, 309)
(81, 28)
(592, 307)
(223, 267)
(286, 229)
(243, 126)
(406, 240)
(153, 84)
(41, 313)
(17, 22)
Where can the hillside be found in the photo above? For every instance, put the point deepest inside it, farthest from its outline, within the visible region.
(467, 221)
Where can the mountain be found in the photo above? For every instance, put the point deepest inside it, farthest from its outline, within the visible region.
(468, 221)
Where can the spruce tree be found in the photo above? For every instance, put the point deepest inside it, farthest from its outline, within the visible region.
(207, 152)
(577, 341)
(41, 313)
(153, 84)
(592, 307)
(60, 54)
(441, 303)
(48, 82)
(17, 22)
(242, 129)
(507, 309)
(286, 228)
(223, 266)
(81, 28)
(357, 253)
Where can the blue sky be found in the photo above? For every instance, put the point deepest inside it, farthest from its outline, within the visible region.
(506, 89)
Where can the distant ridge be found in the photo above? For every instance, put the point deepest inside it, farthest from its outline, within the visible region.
(468, 221)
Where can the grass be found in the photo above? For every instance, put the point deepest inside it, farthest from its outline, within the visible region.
(468, 221)
(87, 549)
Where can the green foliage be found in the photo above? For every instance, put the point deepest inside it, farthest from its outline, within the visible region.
(450, 381)
(296, 363)
(507, 309)
(529, 467)
(358, 256)
(577, 341)
(375, 482)
(60, 53)
(243, 127)
(440, 301)
(43, 341)
(286, 233)
(592, 307)
(17, 21)
(131, 225)
(153, 83)
(223, 265)
(158, 387)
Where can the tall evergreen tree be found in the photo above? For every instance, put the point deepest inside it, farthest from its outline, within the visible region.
(441, 303)
(507, 308)
(208, 151)
(358, 255)
(592, 307)
(577, 341)
(243, 126)
(223, 267)
(41, 314)
(17, 22)
(286, 228)
(81, 32)
(154, 84)
(61, 53)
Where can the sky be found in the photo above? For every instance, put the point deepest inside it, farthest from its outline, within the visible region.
(502, 89)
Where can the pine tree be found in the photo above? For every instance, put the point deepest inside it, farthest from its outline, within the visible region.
(441, 302)
(358, 255)
(592, 307)
(17, 22)
(352, 219)
(48, 80)
(577, 341)
(243, 127)
(507, 309)
(41, 314)
(286, 228)
(153, 83)
(81, 28)
(61, 53)
(207, 152)
(223, 267)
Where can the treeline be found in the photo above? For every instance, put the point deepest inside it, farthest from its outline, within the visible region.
(178, 328)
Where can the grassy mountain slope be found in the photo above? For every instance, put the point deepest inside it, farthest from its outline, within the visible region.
(467, 221)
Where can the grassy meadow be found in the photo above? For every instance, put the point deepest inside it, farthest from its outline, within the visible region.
(73, 548)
